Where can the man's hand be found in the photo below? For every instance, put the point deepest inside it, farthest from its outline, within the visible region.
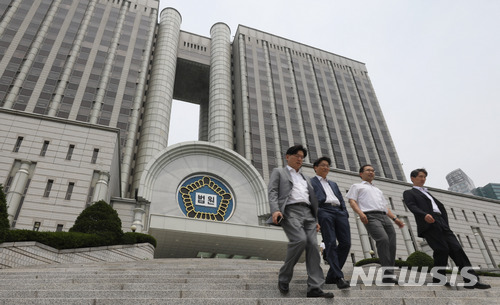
(399, 222)
(363, 218)
(317, 227)
(429, 219)
(277, 215)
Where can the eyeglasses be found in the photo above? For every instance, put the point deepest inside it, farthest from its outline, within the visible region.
(298, 156)
(369, 170)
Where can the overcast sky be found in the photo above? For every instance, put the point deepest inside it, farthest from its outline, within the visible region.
(434, 64)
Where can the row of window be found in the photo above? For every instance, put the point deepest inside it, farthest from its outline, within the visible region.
(49, 185)
(45, 146)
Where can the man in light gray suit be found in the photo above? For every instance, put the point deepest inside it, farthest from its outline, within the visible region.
(294, 206)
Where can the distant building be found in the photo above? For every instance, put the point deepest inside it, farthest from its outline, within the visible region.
(459, 182)
(490, 190)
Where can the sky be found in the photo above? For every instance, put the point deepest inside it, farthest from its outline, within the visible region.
(434, 65)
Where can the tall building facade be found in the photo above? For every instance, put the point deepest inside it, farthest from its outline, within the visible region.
(287, 93)
(86, 91)
(490, 190)
(459, 182)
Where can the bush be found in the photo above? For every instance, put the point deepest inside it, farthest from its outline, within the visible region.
(138, 238)
(4, 216)
(101, 219)
(74, 240)
(420, 259)
(366, 261)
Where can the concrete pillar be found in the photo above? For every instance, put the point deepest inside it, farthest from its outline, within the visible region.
(16, 189)
(156, 119)
(101, 187)
(364, 239)
(220, 119)
(484, 250)
(410, 248)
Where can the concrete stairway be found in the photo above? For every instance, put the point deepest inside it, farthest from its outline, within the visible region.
(207, 282)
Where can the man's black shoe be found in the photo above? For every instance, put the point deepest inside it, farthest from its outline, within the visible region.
(318, 293)
(283, 287)
(342, 283)
(478, 285)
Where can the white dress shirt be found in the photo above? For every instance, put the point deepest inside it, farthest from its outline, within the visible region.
(300, 192)
(368, 197)
(330, 196)
(435, 208)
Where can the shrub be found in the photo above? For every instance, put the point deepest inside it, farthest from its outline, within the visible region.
(137, 238)
(101, 219)
(4, 217)
(420, 259)
(366, 261)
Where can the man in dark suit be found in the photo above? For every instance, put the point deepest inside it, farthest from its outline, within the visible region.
(432, 224)
(293, 205)
(334, 222)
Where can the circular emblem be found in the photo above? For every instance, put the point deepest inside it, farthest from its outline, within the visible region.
(204, 197)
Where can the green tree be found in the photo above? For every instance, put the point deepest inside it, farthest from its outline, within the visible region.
(99, 218)
(4, 217)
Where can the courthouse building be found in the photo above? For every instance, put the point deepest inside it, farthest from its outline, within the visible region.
(86, 91)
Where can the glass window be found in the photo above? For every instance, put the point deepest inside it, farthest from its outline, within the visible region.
(18, 144)
(94, 155)
(48, 187)
(70, 152)
(69, 191)
(44, 148)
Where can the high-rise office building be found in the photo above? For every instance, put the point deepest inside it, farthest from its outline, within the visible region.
(86, 90)
(490, 190)
(459, 182)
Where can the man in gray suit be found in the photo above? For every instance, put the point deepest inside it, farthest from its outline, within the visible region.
(294, 206)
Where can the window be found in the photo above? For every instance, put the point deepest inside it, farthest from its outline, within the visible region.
(69, 191)
(468, 239)
(486, 218)
(18, 144)
(44, 148)
(36, 226)
(48, 187)
(494, 245)
(477, 220)
(94, 156)
(465, 215)
(453, 211)
(59, 228)
(392, 204)
(70, 152)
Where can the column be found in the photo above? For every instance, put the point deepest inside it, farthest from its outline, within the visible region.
(101, 187)
(363, 238)
(156, 119)
(16, 190)
(220, 119)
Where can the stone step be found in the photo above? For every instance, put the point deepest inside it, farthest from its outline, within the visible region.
(207, 281)
(257, 301)
(199, 293)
